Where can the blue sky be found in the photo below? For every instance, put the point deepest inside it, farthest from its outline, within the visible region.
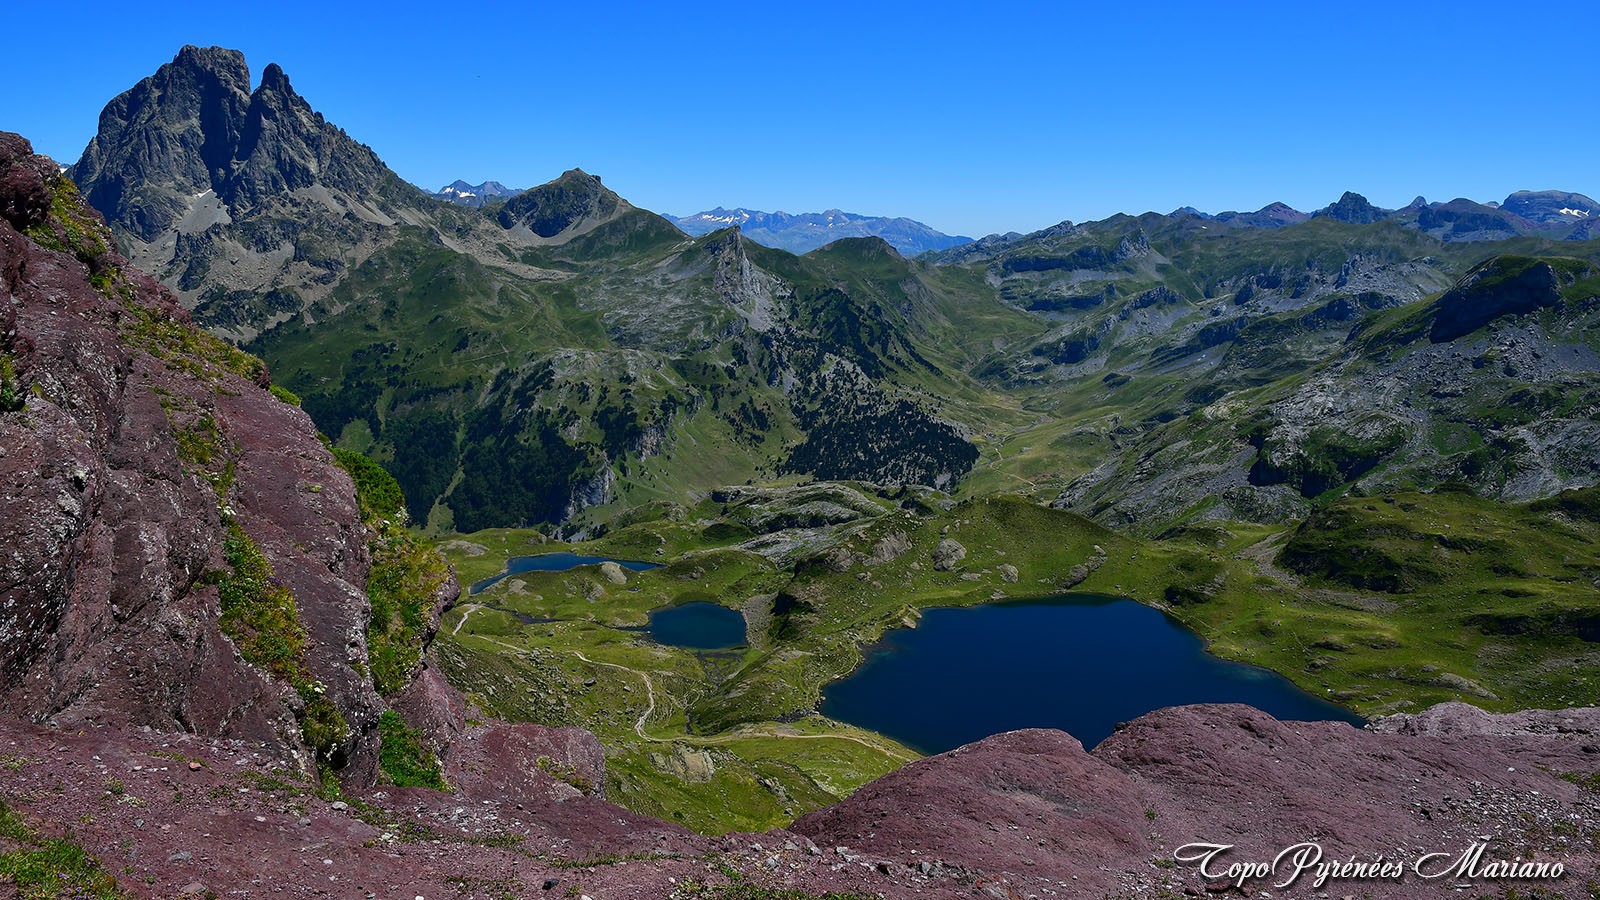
(973, 117)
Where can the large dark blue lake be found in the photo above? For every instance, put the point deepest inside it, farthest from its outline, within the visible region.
(555, 562)
(1081, 664)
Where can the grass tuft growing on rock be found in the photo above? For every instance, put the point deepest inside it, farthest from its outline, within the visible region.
(70, 227)
(285, 395)
(12, 396)
(403, 586)
(405, 756)
(260, 616)
(182, 346)
(404, 582)
(377, 493)
(43, 868)
(258, 611)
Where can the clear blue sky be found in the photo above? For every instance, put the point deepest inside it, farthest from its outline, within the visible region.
(973, 117)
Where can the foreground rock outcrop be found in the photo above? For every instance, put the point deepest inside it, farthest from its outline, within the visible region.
(1025, 814)
(139, 449)
(181, 552)
(1035, 804)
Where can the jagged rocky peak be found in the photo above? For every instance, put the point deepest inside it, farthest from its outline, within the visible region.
(566, 207)
(173, 132)
(728, 247)
(285, 145)
(273, 79)
(196, 126)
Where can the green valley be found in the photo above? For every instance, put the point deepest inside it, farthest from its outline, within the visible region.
(732, 740)
(1358, 447)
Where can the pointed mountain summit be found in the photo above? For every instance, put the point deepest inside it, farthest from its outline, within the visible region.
(195, 126)
(286, 146)
(564, 208)
(168, 137)
(1352, 208)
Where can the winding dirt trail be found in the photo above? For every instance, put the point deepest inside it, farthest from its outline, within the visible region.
(649, 690)
(466, 612)
(650, 708)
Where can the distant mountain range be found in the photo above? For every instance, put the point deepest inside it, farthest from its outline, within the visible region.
(463, 194)
(805, 232)
(799, 233)
(1558, 214)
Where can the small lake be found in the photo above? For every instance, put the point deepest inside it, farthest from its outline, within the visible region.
(697, 625)
(1081, 664)
(556, 562)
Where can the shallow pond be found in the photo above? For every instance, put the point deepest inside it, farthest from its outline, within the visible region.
(1081, 664)
(556, 562)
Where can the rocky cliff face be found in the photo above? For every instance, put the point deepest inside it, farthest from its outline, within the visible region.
(1499, 287)
(182, 551)
(146, 467)
(247, 203)
(167, 138)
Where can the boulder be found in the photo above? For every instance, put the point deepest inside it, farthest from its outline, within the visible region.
(947, 554)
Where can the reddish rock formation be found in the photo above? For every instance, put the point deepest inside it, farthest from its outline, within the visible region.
(1034, 807)
(108, 615)
(1025, 814)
